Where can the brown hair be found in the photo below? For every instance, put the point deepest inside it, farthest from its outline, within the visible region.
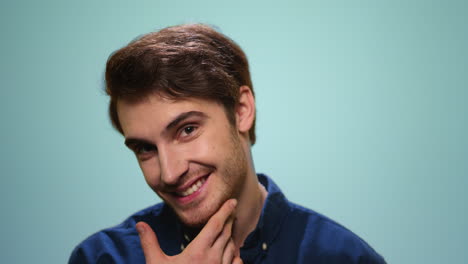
(179, 62)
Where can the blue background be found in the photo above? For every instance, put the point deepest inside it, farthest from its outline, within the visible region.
(362, 116)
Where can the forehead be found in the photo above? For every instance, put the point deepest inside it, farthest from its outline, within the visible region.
(154, 112)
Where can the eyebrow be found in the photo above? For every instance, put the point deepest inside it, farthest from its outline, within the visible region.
(178, 119)
(181, 117)
(129, 142)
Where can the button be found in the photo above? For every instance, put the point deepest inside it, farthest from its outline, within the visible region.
(182, 247)
(264, 246)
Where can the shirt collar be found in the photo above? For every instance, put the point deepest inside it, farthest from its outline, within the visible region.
(273, 214)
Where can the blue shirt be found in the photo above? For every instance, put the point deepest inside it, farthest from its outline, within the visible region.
(285, 233)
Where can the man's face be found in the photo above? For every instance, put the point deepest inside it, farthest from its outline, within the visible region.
(190, 154)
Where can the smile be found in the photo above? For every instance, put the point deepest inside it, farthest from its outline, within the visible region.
(193, 188)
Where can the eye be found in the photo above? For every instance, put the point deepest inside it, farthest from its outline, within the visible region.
(144, 151)
(144, 148)
(188, 130)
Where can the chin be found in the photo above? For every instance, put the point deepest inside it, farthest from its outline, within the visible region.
(195, 220)
(194, 223)
(198, 217)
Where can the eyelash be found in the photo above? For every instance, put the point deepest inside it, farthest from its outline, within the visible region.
(182, 130)
(138, 149)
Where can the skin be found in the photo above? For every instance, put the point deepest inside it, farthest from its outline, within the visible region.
(183, 143)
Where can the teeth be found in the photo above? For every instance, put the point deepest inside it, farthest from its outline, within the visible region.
(192, 188)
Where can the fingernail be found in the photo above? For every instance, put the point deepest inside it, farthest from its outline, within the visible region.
(234, 203)
(140, 229)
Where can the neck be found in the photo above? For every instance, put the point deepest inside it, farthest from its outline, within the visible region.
(249, 208)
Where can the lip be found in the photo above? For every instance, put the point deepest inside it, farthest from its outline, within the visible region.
(187, 199)
(190, 183)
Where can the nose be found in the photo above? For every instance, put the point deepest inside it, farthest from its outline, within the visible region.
(173, 165)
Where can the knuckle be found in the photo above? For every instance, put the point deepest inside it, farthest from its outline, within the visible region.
(217, 225)
(228, 231)
(231, 246)
(224, 232)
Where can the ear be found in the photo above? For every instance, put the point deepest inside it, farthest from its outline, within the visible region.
(245, 110)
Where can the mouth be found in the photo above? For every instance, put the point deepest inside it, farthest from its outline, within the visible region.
(188, 193)
(193, 188)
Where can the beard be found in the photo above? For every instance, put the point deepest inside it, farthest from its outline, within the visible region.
(227, 181)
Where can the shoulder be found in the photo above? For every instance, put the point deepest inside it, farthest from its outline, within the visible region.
(327, 241)
(117, 244)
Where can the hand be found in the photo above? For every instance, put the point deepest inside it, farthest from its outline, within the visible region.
(213, 244)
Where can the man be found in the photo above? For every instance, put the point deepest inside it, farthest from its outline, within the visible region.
(183, 99)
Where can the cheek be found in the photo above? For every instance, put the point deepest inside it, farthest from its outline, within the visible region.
(207, 149)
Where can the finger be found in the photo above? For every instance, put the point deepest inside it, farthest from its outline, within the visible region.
(228, 253)
(149, 243)
(223, 238)
(237, 260)
(215, 225)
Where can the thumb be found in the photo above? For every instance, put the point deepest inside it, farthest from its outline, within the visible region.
(149, 243)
